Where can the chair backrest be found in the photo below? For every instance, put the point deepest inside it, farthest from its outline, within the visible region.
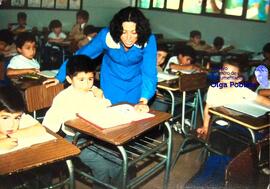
(190, 82)
(39, 97)
(243, 170)
(2, 70)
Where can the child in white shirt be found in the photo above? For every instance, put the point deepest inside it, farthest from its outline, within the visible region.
(56, 34)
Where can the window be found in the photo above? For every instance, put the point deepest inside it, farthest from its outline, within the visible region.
(238, 9)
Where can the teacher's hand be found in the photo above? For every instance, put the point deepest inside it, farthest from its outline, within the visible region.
(50, 82)
(142, 108)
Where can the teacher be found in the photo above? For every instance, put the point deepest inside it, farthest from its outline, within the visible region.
(128, 69)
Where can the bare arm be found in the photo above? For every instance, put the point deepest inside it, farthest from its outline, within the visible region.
(32, 131)
(206, 120)
(13, 72)
(264, 92)
(263, 100)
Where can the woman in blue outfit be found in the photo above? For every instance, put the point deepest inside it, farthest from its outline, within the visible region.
(128, 70)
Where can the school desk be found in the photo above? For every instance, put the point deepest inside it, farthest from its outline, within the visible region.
(35, 94)
(133, 146)
(40, 155)
(250, 123)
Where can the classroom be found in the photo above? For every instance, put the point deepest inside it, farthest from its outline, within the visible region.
(125, 94)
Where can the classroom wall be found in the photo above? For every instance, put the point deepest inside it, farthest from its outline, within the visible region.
(243, 34)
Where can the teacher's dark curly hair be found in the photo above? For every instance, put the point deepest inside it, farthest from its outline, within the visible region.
(130, 14)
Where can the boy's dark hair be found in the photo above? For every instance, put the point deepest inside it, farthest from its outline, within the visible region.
(130, 14)
(11, 100)
(55, 24)
(236, 62)
(6, 36)
(266, 48)
(195, 33)
(89, 29)
(185, 50)
(21, 15)
(218, 42)
(24, 37)
(162, 47)
(80, 63)
(83, 13)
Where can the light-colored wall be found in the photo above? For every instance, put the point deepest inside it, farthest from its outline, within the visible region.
(243, 34)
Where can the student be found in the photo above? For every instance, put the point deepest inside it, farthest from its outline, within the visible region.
(81, 96)
(183, 60)
(229, 94)
(24, 63)
(89, 33)
(195, 41)
(262, 76)
(7, 46)
(76, 33)
(14, 124)
(218, 45)
(21, 26)
(162, 52)
(56, 34)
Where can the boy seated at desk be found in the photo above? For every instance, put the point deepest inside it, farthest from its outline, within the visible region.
(56, 35)
(24, 63)
(82, 96)
(196, 43)
(183, 60)
(162, 53)
(89, 32)
(14, 124)
(21, 25)
(228, 94)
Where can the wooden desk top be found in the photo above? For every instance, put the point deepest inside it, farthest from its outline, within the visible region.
(22, 83)
(37, 155)
(241, 118)
(124, 133)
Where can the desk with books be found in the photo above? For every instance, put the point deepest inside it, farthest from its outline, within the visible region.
(251, 123)
(133, 146)
(40, 155)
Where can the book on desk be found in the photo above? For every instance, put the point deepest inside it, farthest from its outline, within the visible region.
(113, 117)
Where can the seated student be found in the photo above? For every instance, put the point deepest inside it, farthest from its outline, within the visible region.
(21, 26)
(14, 124)
(7, 46)
(89, 33)
(228, 94)
(196, 43)
(76, 32)
(24, 63)
(56, 35)
(262, 76)
(81, 95)
(162, 53)
(183, 60)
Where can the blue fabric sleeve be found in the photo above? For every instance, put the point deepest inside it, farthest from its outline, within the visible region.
(92, 50)
(149, 70)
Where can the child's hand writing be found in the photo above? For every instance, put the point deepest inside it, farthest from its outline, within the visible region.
(8, 143)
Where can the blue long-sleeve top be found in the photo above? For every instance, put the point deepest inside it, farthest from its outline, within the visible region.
(126, 76)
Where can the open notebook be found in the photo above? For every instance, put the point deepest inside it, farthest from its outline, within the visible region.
(27, 142)
(249, 107)
(165, 76)
(48, 73)
(113, 116)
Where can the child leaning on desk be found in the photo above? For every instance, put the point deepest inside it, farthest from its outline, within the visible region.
(82, 96)
(24, 63)
(14, 124)
(227, 92)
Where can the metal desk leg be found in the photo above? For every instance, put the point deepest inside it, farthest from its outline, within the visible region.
(71, 174)
(125, 166)
(173, 101)
(200, 102)
(252, 135)
(183, 112)
(169, 154)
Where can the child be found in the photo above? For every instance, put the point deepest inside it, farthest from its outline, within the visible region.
(162, 53)
(7, 46)
(89, 33)
(21, 26)
(56, 34)
(218, 45)
(230, 74)
(196, 43)
(262, 76)
(15, 125)
(76, 33)
(24, 63)
(81, 95)
(183, 60)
